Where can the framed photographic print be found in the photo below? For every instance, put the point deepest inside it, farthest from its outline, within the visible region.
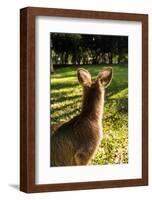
(84, 99)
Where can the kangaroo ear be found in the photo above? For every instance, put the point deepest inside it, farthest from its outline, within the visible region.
(84, 77)
(105, 76)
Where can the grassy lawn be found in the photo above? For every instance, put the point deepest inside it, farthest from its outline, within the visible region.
(66, 94)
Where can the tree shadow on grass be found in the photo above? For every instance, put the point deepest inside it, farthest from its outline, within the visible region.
(78, 101)
(64, 98)
(65, 76)
(63, 85)
(72, 70)
(64, 73)
(115, 87)
(66, 116)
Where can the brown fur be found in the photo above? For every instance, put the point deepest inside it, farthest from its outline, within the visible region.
(76, 142)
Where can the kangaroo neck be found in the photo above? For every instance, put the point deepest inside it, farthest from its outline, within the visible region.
(93, 105)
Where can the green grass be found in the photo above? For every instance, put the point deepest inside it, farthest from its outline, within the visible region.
(66, 95)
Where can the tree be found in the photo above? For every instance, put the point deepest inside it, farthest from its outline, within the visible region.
(51, 62)
(84, 48)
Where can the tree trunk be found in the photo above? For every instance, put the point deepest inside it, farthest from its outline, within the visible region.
(110, 57)
(51, 65)
(51, 62)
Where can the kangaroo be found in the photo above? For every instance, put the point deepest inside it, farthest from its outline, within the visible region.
(76, 141)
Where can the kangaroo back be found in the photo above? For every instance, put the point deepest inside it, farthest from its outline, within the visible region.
(76, 141)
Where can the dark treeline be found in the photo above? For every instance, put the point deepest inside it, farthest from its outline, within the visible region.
(88, 49)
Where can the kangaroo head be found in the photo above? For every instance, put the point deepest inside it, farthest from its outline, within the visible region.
(103, 79)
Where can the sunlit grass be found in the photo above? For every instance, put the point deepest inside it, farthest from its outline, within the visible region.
(66, 95)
